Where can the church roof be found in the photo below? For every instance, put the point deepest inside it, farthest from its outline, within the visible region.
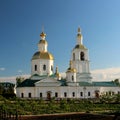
(105, 84)
(36, 78)
(100, 84)
(43, 55)
(31, 83)
(28, 83)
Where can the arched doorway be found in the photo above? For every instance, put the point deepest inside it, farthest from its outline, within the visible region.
(49, 95)
(97, 94)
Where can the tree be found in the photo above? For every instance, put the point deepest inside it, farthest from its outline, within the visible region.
(19, 80)
(1, 89)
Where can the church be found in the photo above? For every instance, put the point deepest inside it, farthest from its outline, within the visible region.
(45, 83)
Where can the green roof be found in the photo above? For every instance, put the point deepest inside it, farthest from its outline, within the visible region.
(105, 84)
(28, 83)
(63, 82)
(80, 46)
(101, 84)
(85, 84)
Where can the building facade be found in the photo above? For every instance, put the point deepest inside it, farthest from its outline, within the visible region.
(44, 83)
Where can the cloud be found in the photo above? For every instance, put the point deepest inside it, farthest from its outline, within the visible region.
(12, 79)
(2, 69)
(20, 71)
(107, 74)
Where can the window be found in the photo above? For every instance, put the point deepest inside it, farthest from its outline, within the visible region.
(72, 78)
(51, 68)
(29, 95)
(113, 93)
(88, 93)
(35, 67)
(56, 94)
(73, 56)
(82, 56)
(107, 93)
(81, 93)
(40, 95)
(22, 95)
(44, 67)
(65, 94)
(119, 92)
(73, 94)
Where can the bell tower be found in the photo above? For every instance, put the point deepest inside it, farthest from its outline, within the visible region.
(80, 59)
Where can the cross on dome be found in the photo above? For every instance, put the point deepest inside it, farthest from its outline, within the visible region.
(43, 35)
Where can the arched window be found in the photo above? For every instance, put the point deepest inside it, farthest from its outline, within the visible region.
(73, 56)
(88, 93)
(56, 94)
(51, 68)
(35, 67)
(73, 94)
(65, 94)
(22, 95)
(72, 77)
(82, 56)
(29, 95)
(44, 67)
(81, 94)
(40, 95)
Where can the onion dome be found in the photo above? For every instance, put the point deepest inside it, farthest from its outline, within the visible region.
(43, 55)
(80, 46)
(70, 69)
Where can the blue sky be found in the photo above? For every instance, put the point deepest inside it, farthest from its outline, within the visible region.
(21, 23)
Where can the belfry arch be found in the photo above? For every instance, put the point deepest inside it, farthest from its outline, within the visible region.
(82, 56)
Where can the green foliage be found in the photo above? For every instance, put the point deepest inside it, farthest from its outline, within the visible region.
(35, 107)
(116, 81)
(19, 80)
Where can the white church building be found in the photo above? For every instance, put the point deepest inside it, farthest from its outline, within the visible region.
(44, 83)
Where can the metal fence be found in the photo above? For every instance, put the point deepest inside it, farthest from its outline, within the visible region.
(6, 114)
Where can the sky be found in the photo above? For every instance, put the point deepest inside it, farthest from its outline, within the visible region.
(21, 23)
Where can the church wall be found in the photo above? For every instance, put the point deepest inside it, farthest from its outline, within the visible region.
(71, 77)
(26, 91)
(66, 91)
(112, 90)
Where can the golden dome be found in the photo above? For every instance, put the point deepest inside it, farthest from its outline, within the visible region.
(43, 55)
(70, 69)
(42, 42)
(58, 75)
(80, 46)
